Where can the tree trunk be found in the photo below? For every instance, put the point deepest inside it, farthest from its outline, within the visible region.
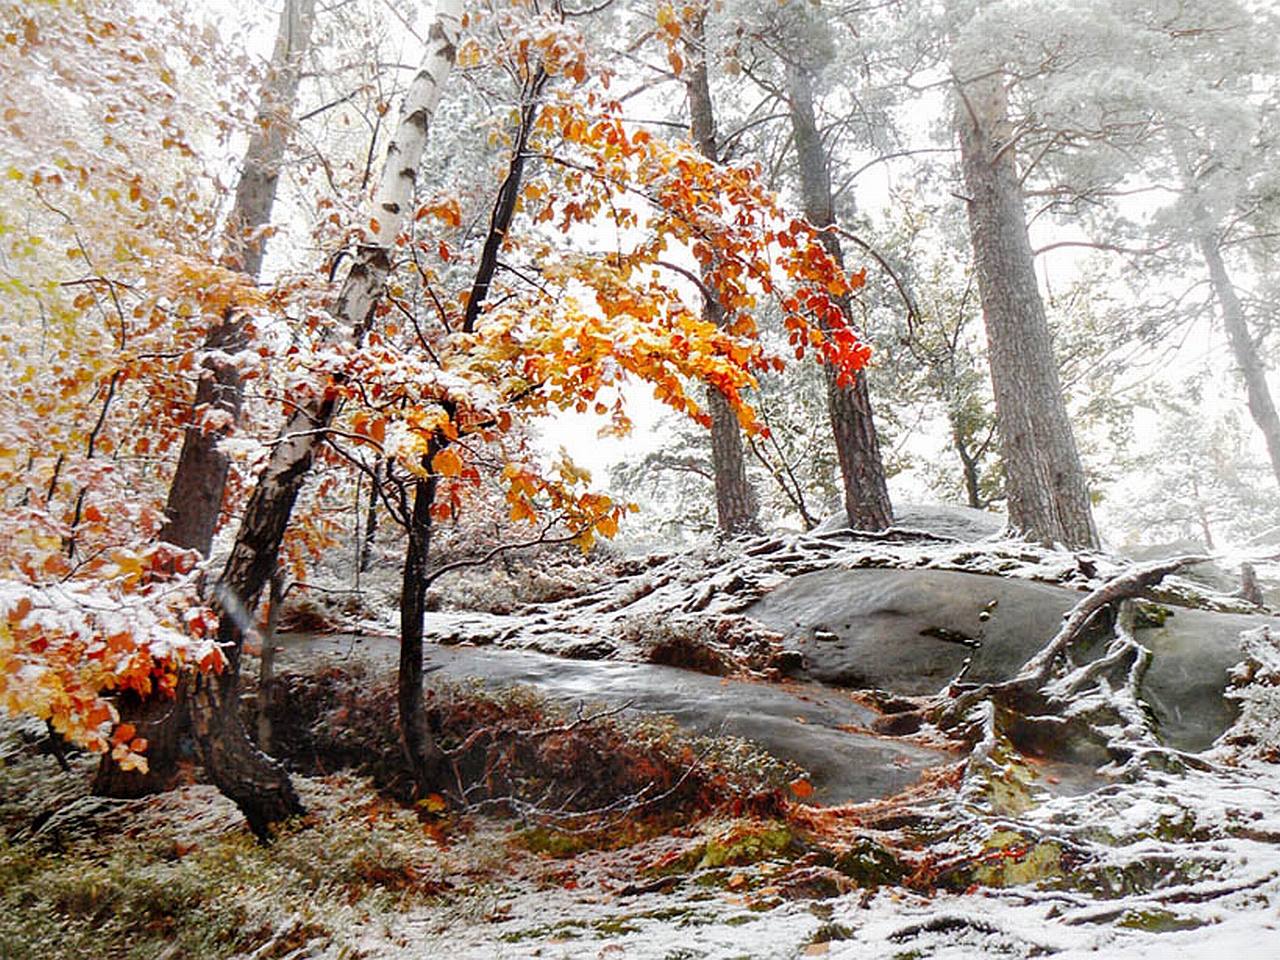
(1048, 497)
(196, 491)
(737, 507)
(195, 495)
(161, 721)
(370, 521)
(1261, 405)
(866, 492)
(258, 785)
(419, 746)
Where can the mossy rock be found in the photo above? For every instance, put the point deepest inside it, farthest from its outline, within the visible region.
(741, 844)
(1157, 920)
(1012, 860)
(869, 864)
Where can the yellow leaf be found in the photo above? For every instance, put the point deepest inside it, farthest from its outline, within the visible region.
(432, 803)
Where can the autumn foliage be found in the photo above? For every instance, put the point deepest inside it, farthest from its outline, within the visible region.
(616, 236)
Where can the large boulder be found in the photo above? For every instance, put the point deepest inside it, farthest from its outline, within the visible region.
(912, 632)
(950, 521)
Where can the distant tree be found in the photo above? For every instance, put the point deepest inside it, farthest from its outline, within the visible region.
(737, 506)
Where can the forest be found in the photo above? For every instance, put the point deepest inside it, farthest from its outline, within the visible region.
(639, 478)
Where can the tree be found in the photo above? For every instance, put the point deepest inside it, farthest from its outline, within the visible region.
(737, 507)
(197, 489)
(101, 309)
(445, 397)
(866, 492)
(258, 785)
(1047, 494)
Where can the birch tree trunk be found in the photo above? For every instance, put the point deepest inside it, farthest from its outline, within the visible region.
(259, 786)
(866, 492)
(196, 491)
(1048, 497)
(737, 507)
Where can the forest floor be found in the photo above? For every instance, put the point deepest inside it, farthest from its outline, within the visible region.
(597, 833)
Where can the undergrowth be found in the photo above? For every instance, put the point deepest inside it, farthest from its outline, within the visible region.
(514, 749)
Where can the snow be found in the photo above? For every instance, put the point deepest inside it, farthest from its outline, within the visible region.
(1167, 855)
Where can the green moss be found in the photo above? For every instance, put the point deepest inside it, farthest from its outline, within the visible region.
(554, 843)
(1150, 616)
(1157, 920)
(1011, 860)
(741, 844)
(869, 864)
(830, 932)
(741, 848)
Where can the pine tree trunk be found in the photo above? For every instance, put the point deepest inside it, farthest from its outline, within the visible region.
(866, 491)
(1048, 497)
(1261, 405)
(195, 495)
(196, 491)
(258, 785)
(737, 507)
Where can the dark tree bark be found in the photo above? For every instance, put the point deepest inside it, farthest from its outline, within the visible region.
(866, 492)
(365, 556)
(161, 721)
(737, 507)
(1048, 497)
(196, 491)
(195, 495)
(419, 746)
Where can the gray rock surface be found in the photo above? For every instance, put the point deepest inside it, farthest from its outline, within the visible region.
(948, 520)
(911, 631)
(819, 729)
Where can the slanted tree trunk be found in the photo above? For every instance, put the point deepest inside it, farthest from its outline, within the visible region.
(737, 507)
(259, 786)
(196, 491)
(1261, 405)
(866, 492)
(1048, 497)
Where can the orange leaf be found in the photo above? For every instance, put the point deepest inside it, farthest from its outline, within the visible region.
(446, 463)
(801, 787)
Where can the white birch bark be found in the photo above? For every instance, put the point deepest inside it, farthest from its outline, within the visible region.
(267, 514)
(259, 786)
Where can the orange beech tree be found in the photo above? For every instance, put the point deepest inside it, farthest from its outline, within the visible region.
(111, 277)
(578, 286)
(107, 214)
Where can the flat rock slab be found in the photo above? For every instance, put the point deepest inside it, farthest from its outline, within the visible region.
(819, 729)
(911, 631)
